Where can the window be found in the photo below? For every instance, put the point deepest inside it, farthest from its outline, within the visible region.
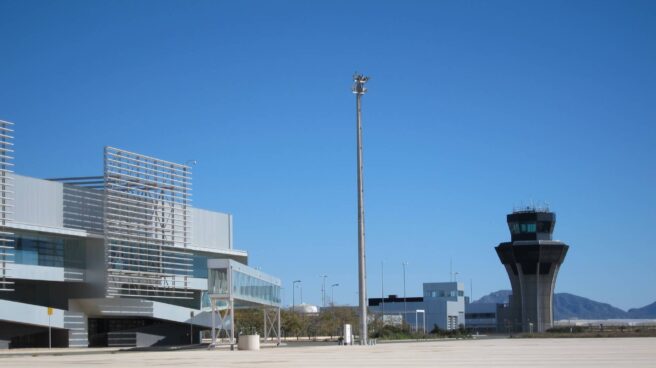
(522, 228)
(49, 251)
(461, 293)
(199, 266)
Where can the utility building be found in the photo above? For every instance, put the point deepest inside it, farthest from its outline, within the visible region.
(532, 260)
(442, 306)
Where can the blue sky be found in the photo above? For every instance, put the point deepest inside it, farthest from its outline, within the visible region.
(474, 107)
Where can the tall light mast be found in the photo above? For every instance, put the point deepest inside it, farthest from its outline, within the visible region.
(359, 89)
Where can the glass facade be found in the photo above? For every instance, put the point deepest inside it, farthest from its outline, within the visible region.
(218, 281)
(245, 286)
(50, 251)
(206, 303)
(531, 227)
(199, 266)
(249, 287)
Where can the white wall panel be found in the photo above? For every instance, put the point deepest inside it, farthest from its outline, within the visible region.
(212, 230)
(38, 202)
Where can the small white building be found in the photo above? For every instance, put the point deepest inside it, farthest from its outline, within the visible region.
(443, 304)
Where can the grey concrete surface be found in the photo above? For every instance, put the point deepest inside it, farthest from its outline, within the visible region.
(566, 352)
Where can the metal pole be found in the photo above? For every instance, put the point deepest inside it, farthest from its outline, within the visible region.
(405, 303)
(278, 315)
(191, 327)
(332, 294)
(359, 90)
(213, 323)
(232, 323)
(323, 291)
(49, 333)
(382, 290)
(294, 293)
(424, 315)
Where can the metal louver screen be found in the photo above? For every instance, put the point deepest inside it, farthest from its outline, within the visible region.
(6, 196)
(147, 225)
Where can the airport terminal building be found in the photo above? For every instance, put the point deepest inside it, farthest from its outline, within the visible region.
(110, 259)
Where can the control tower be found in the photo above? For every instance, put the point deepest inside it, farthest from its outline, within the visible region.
(532, 260)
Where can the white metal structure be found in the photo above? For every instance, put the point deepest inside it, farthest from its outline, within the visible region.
(6, 195)
(234, 285)
(423, 317)
(147, 225)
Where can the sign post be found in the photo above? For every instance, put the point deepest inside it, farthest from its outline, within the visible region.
(50, 310)
(191, 326)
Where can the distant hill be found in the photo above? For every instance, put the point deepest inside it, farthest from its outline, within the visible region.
(573, 306)
(648, 311)
(498, 297)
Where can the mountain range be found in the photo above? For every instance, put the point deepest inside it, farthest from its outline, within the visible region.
(570, 306)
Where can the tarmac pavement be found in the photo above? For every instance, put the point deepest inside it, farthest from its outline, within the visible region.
(561, 353)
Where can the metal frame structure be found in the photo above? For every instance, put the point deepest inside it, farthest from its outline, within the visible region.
(147, 226)
(272, 324)
(423, 318)
(6, 197)
(227, 291)
(84, 200)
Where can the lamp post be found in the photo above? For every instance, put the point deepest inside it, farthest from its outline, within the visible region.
(294, 294)
(382, 290)
(323, 291)
(405, 303)
(359, 89)
(332, 294)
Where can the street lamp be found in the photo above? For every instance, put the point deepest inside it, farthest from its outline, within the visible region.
(323, 291)
(359, 89)
(332, 293)
(294, 294)
(382, 290)
(405, 303)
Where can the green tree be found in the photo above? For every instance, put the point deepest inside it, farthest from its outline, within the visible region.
(292, 323)
(249, 321)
